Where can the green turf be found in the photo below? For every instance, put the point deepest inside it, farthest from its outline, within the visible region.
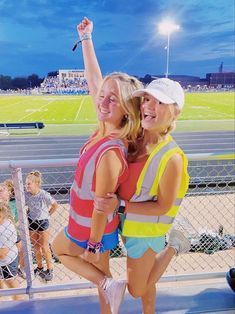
(72, 115)
(48, 109)
(208, 106)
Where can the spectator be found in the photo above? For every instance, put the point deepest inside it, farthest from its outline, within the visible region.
(8, 250)
(40, 206)
(6, 196)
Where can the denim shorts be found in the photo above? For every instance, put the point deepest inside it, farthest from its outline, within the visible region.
(109, 241)
(136, 247)
(38, 225)
(9, 271)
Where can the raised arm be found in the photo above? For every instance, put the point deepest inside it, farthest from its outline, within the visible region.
(92, 69)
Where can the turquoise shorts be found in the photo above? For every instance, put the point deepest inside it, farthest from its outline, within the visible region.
(109, 241)
(136, 247)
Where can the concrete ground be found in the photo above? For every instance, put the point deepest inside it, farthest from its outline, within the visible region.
(210, 296)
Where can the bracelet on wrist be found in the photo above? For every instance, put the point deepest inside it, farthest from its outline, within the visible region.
(85, 36)
(93, 247)
(122, 207)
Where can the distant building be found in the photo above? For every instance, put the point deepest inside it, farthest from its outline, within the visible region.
(221, 79)
(184, 80)
(70, 74)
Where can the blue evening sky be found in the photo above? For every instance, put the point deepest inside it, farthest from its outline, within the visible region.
(36, 36)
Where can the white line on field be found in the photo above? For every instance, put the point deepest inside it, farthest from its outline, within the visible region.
(27, 115)
(215, 111)
(80, 107)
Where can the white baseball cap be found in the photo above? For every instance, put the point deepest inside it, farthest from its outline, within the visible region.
(164, 90)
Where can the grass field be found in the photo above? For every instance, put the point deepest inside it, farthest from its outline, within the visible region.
(78, 111)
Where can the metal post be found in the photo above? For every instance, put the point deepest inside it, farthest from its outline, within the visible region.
(167, 53)
(23, 226)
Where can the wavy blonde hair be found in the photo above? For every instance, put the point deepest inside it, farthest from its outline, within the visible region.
(130, 127)
(6, 211)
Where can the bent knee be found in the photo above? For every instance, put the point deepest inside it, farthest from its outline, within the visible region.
(135, 291)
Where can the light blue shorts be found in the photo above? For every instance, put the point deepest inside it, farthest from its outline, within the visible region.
(136, 247)
(109, 241)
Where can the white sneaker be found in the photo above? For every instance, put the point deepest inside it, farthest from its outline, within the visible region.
(178, 241)
(114, 291)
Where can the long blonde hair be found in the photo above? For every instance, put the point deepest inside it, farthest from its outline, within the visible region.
(6, 211)
(130, 127)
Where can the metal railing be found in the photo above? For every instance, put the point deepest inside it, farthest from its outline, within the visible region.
(206, 215)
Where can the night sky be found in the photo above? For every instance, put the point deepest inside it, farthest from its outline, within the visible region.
(37, 36)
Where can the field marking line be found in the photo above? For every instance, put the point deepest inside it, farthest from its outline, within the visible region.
(12, 104)
(80, 108)
(218, 112)
(27, 115)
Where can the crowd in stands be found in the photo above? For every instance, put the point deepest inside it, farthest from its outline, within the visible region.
(207, 88)
(78, 86)
(52, 85)
(75, 86)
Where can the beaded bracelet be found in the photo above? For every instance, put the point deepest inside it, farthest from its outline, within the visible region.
(93, 247)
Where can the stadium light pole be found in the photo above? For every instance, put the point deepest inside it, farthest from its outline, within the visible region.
(167, 28)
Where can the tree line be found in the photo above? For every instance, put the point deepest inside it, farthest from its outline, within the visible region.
(20, 82)
(33, 80)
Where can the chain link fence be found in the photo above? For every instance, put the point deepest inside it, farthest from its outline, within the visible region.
(206, 216)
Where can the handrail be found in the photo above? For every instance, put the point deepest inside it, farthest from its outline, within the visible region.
(73, 161)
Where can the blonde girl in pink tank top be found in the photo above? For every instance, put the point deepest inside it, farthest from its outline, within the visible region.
(84, 245)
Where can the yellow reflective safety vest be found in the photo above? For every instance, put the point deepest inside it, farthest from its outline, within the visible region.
(136, 225)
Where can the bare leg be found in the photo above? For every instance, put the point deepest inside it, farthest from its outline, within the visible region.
(69, 255)
(2, 286)
(162, 261)
(44, 244)
(14, 283)
(35, 238)
(103, 265)
(149, 300)
(138, 272)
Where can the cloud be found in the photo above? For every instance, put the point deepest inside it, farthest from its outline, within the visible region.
(40, 34)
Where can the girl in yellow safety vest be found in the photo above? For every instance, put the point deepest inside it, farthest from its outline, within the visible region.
(150, 198)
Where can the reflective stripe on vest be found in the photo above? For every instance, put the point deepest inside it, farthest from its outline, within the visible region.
(149, 226)
(85, 191)
(82, 220)
(148, 173)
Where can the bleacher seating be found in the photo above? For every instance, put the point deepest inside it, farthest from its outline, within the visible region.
(22, 125)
